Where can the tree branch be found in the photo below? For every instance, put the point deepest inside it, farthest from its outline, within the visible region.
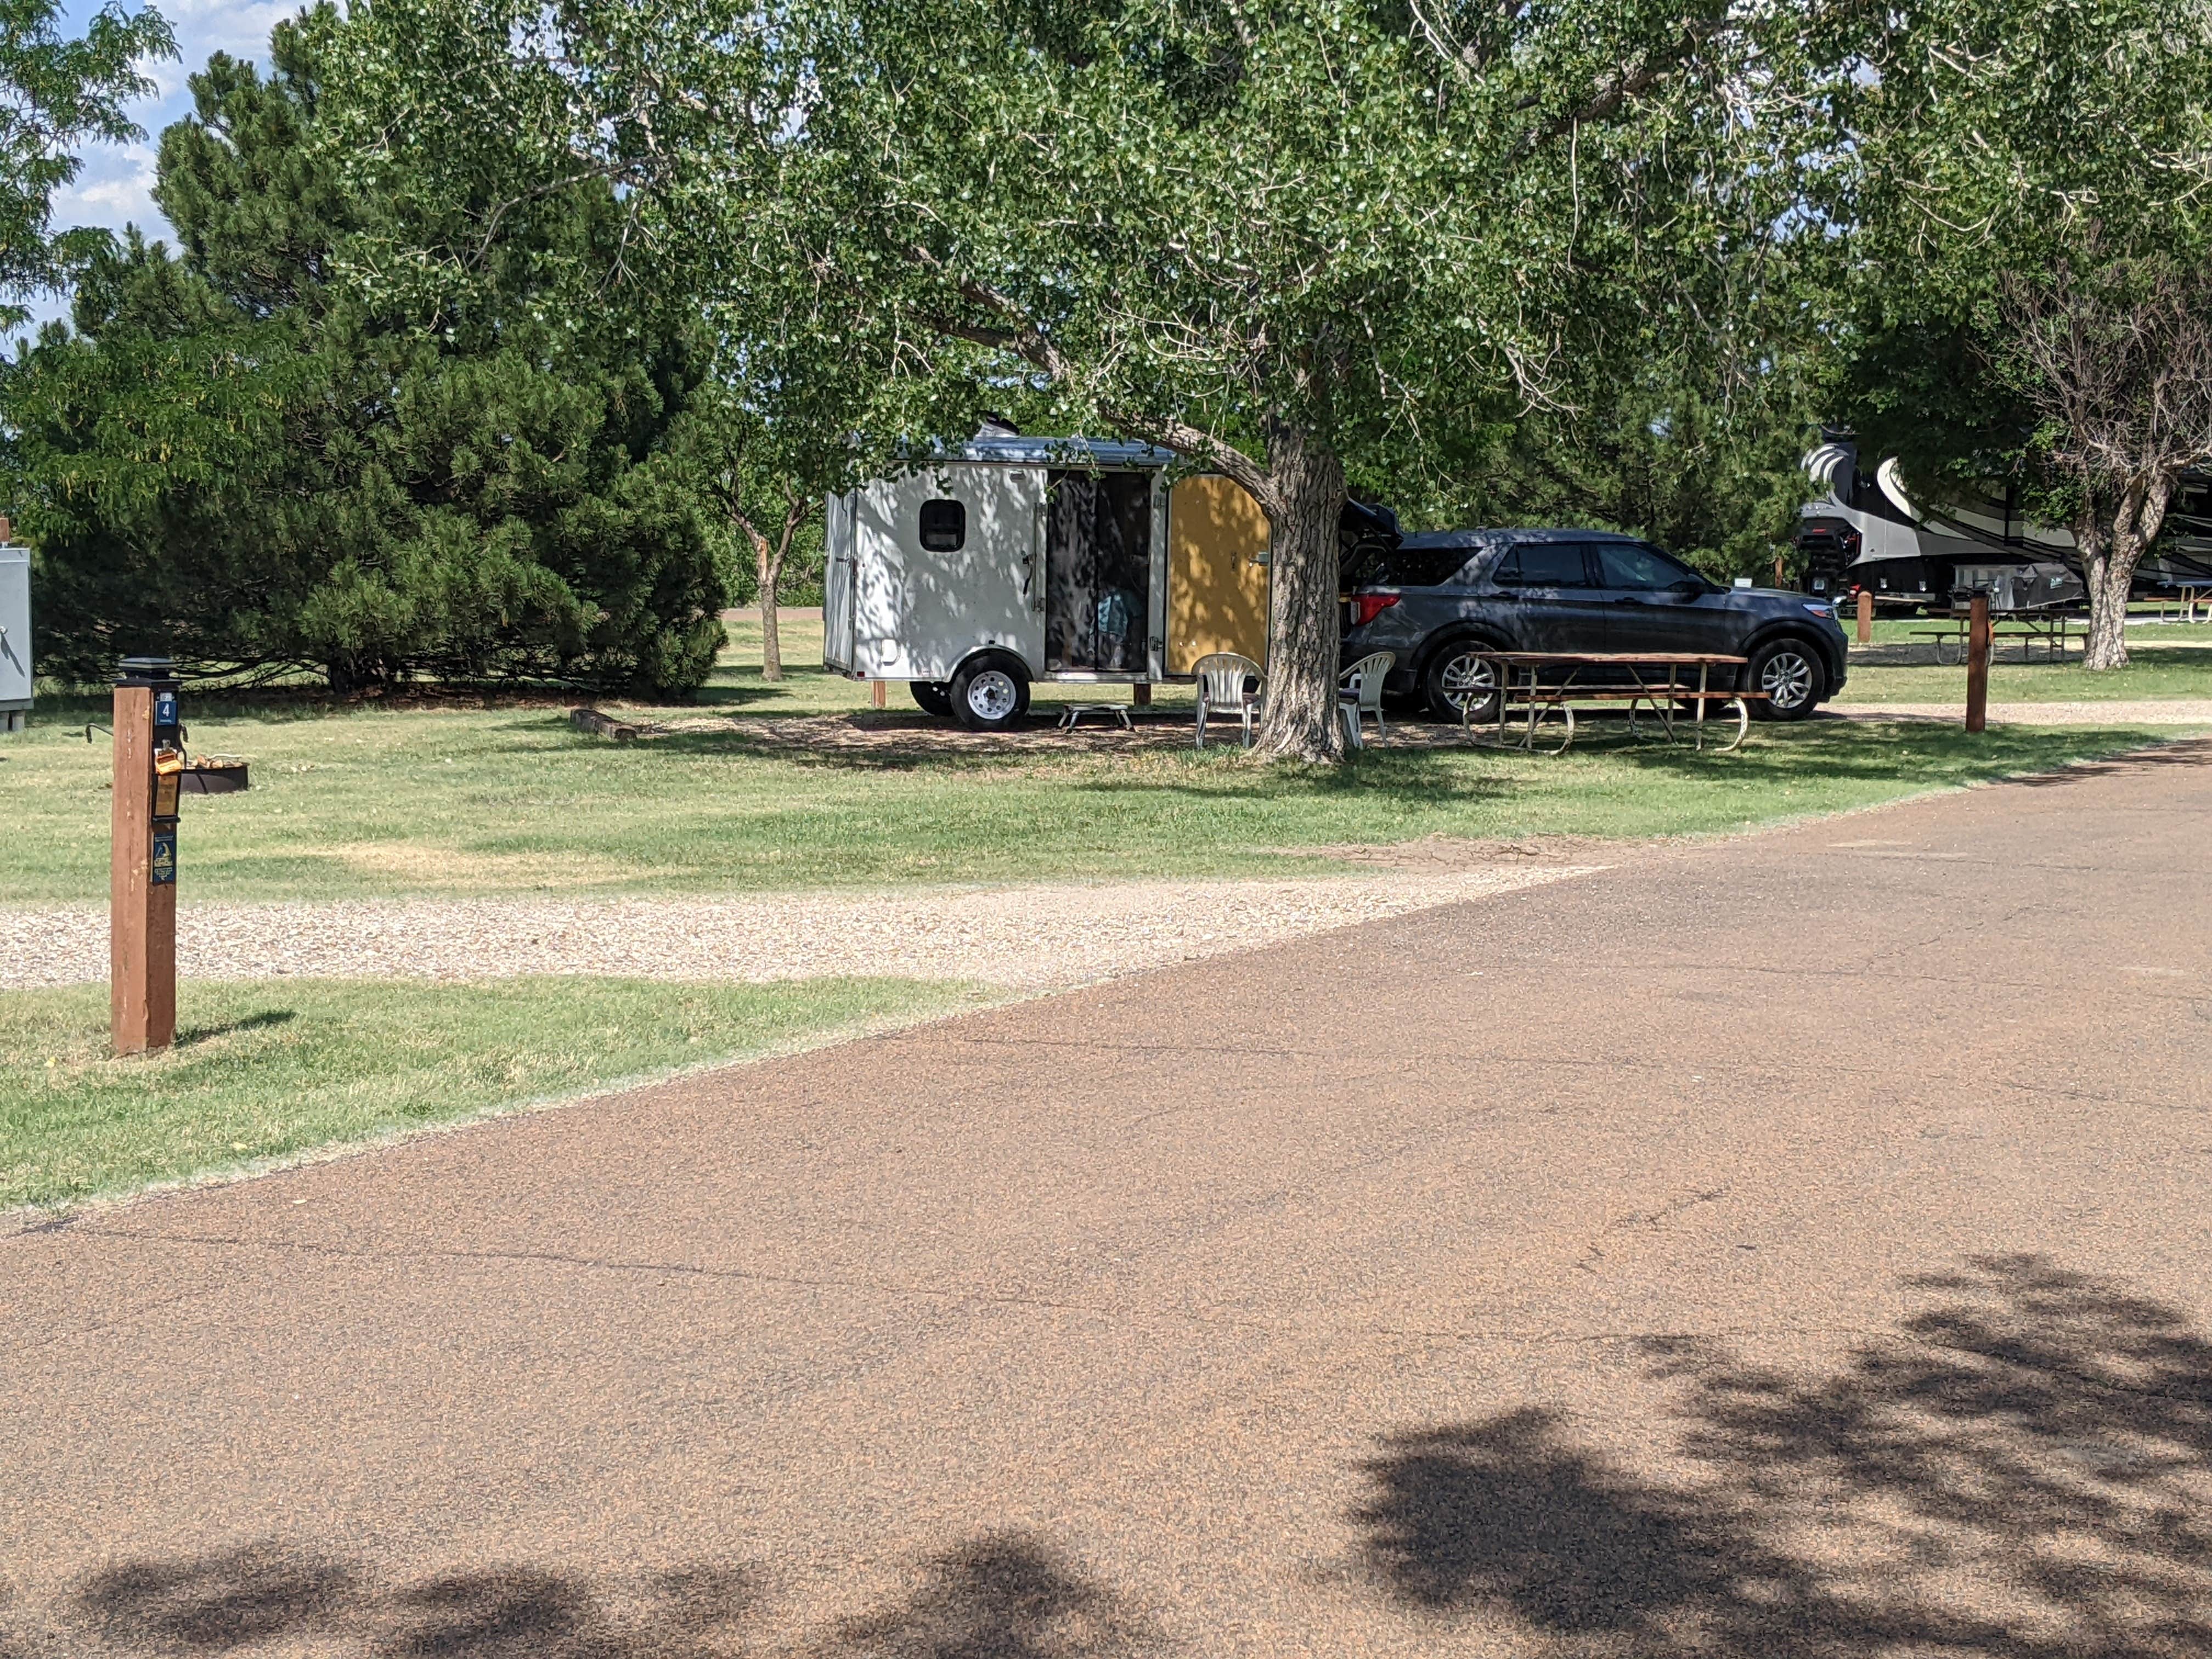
(1022, 337)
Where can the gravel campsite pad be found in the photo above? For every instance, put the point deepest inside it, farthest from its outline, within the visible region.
(1026, 937)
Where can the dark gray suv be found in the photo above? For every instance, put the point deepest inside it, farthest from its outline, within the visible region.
(1437, 599)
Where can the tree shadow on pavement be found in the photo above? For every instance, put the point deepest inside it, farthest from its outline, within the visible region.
(2183, 752)
(2025, 1470)
(1003, 1595)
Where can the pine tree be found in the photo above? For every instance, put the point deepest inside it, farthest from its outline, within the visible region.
(252, 453)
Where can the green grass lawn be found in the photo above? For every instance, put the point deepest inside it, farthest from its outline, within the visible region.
(269, 1069)
(2156, 671)
(2145, 628)
(2168, 660)
(363, 800)
(355, 801)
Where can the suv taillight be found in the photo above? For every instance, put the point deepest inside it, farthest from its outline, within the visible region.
(1366, 607)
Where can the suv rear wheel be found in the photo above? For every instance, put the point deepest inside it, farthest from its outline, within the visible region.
(1790, 674)
(1457, 677)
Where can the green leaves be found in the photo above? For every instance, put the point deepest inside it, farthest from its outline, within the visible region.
(55, 94)
(1152, 215)
(244, 461)
(1990, 140)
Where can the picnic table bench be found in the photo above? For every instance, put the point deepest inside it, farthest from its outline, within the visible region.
(1644, 686)
(2027, 627)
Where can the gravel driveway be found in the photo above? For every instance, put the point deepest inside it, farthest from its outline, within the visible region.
(1033, 937)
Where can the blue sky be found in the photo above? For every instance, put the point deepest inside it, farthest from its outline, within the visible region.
(111, 190)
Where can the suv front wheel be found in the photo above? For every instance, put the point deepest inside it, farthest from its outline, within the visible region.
(1457, 677)
(1790, 674)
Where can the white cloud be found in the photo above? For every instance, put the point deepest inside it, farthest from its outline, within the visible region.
(114, 189)
(203, 27)
(114, 185)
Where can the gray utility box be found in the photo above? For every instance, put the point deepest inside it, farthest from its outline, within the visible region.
(15, 636)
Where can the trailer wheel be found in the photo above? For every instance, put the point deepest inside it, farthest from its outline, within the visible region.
(990, 694)
(931, 697)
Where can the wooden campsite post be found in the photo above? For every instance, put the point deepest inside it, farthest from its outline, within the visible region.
(1977, 663)
(142, 937)
(1866, 618)
(1778, 581)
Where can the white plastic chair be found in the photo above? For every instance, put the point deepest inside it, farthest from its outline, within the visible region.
(1359, 692)
(1228, 684)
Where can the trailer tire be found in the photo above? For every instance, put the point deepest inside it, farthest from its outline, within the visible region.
(990, 694)
(931, 697)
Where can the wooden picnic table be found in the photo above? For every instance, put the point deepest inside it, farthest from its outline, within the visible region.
(1642, 687)
(2052, 627)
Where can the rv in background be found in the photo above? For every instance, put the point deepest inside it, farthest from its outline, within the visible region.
(1009, 560)
(1864, 534)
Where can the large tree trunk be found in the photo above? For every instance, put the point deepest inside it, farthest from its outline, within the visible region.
(1301, 721)
(2110, 549)
(2108, 582)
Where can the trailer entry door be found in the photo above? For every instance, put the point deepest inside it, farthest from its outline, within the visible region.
(1098, 573)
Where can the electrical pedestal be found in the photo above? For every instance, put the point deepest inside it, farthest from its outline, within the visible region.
(141, 947)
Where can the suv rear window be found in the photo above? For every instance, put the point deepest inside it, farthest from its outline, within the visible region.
(1377, 566)
(1542, 564)
(1426, 566)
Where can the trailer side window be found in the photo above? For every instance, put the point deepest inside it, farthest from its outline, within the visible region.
(944, 526)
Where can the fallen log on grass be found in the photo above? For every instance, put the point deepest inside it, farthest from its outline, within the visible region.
(604, 725)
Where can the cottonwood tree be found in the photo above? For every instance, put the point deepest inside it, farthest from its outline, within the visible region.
(2118, 361)
(773, 435)
(1990, 140)
(55, 93)
(728, 447)
(1298, 242)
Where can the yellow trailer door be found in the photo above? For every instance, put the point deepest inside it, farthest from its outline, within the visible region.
(1217, 572)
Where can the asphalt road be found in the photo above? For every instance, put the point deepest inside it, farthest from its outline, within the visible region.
(1795, 1245)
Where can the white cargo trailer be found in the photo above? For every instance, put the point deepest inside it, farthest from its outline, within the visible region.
(1011, 560)
(14, 633)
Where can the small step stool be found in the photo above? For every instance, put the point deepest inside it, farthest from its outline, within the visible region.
(1075, 711)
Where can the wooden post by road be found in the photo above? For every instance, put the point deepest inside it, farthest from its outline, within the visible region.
(1866, 618)
(1977, 663)
(142, 937)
